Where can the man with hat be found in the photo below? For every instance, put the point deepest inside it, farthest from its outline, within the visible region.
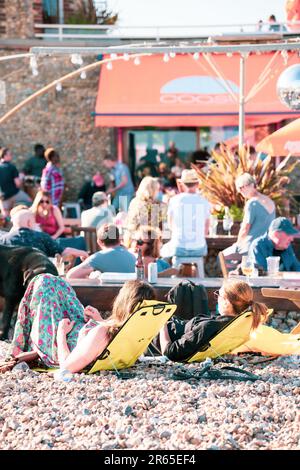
(276, 242)
(188, 219)
(99, 214)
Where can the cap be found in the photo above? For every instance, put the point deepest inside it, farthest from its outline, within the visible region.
(189, 176)
(99, 197)
(282, 224)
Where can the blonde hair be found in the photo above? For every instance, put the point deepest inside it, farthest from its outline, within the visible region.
(38, 197)
(244, 180)
(148, 188)
(127, 300)
(240, 296)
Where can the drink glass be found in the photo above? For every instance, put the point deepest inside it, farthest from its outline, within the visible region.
(227, 224)
(273, 263)
(247, 267)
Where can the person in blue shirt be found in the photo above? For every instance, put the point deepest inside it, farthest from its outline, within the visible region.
(123, 189)
(113, 257)
(276, 242)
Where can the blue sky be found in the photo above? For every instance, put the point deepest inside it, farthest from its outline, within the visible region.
(193, 12)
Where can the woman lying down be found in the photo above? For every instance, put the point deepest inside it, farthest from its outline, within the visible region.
(54, 324)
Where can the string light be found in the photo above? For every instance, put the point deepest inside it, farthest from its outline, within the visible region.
(126, 56)
(196, 55)
(172, 55)
(34, 66)
(83, 75)
(109, 66)
(113, 55)
(285, 56)
(58, 87)
(137, 61)
(166, 58)
(76, 59)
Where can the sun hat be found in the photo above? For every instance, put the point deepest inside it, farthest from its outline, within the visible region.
(282, 224)
(99, 197)
(189, 176)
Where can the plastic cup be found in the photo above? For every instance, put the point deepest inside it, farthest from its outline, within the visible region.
(273, 265)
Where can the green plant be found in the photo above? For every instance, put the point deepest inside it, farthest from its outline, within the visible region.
(86, 13)
(218, 183)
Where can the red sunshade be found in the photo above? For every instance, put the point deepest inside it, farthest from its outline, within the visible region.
(189, 92)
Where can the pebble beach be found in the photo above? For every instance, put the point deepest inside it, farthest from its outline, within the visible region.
(150, 410)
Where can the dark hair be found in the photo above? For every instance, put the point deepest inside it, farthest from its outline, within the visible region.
(109, 235)
(3, 152)
(110, 157)
(39, 150)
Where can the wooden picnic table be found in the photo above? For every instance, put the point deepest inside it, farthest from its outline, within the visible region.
(101, 296)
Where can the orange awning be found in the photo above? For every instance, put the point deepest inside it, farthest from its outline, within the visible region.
(189, 92)
(283, 142)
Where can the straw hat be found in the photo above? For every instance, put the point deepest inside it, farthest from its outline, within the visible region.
(189, 176)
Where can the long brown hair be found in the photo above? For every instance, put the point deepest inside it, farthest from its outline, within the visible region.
(38, 197)
(128, 298)
(240, 296)
(152, 238)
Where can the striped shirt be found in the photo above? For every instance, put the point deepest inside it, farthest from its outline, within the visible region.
(53, 182)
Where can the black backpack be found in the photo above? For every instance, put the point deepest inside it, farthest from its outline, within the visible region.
(191, 300)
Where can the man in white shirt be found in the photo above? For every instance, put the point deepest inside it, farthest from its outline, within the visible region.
(188, 219)
(99, 214)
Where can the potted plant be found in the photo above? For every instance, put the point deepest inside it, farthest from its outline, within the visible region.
(217, 182)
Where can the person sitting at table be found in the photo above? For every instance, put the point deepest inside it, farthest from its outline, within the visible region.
(276, 242)
(179, 339)
(99, 214)
(148, 239)
(112, 258)
(64, 333)
(23, 233)
(47, 216)
(259, 211)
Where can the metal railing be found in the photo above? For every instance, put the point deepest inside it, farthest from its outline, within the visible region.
(63, 32)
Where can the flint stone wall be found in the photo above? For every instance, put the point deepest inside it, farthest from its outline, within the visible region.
(58, 119)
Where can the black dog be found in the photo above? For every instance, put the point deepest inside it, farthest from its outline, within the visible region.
(18, 265)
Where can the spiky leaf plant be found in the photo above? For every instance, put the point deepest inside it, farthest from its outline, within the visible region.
(218, 183)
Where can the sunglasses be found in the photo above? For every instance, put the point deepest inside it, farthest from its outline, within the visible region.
(44, 201)
(142, 242)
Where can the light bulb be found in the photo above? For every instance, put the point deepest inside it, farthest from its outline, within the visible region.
(126, 56)
(76, 59)
(137, 61)
(83, 75)
(58, 87)
(172, 55)
(113, 55)
(109, 66)
(166, 58)
(34, 66)
(196, 55)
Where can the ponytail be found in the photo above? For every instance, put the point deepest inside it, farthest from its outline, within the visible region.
(259, 314)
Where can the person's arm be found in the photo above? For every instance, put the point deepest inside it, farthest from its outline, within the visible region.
(60, 222)
(259, 254)
(69, 251)
(206, 227)
(123, 183)
(64, 327)
(87, 350)
(164, 338)
(243, 232)
(18, 182)
(248, 219)
(295, 263)
(82, 271)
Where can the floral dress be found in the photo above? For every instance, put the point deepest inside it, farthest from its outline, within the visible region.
(47, 300)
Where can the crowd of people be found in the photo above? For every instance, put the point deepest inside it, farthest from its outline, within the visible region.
(150, 222)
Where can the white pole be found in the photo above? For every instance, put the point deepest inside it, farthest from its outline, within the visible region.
(242, 102)
(61, 18)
